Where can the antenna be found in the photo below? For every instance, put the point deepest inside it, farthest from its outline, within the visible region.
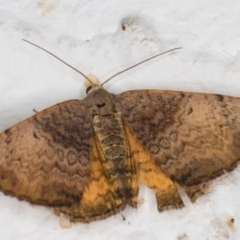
(111, 76)
(139, 64)
(60, 60)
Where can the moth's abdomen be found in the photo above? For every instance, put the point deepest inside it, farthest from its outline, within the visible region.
(111, 138)
(116, 163)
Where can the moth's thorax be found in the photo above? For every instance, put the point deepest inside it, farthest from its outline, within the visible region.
(100, 102)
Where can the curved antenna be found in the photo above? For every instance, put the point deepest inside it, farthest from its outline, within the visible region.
(59, 60)
(139, 64)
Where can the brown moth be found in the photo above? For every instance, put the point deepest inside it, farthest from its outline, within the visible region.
(84, 157)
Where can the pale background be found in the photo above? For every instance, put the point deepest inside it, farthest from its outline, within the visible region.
(88, 35)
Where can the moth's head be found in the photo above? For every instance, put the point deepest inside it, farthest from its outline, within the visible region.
(93, 85)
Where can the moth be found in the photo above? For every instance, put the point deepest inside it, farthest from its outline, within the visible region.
(84, 158)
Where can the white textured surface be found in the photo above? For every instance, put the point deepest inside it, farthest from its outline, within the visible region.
(88, 35)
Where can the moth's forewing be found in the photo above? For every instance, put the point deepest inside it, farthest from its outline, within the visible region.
(43, 159)
(193, 137)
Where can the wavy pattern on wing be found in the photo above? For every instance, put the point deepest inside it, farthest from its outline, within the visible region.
(193, 137)
(45, 159)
